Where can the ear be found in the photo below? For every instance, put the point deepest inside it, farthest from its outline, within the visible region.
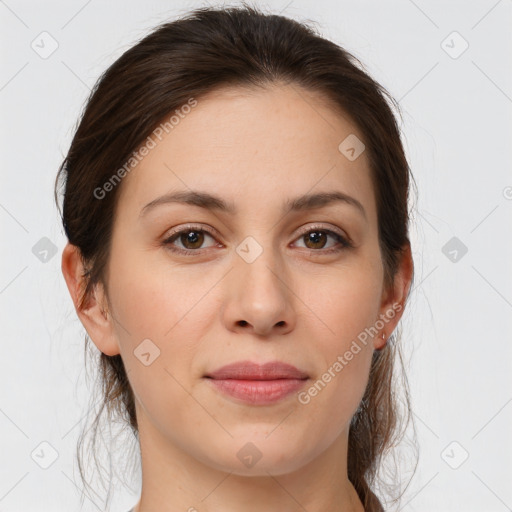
(393, 299)
(94, 313)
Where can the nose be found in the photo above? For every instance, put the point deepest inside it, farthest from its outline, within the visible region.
(260, 298)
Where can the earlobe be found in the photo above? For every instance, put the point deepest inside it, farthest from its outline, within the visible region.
(93, 312)
(393, 300)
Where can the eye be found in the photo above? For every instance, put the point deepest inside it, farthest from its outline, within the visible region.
(191, 238)
(315, 238)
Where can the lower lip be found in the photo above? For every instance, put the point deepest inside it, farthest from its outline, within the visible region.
(258, 392)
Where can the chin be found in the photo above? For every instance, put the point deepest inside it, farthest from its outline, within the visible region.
(257, 455)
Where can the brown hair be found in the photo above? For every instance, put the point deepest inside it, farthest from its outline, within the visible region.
(189, 57)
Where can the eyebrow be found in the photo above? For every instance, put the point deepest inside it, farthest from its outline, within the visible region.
(211, 202)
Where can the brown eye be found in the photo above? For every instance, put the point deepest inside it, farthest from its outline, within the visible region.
(191, 239)
(317, 239)
(187, 241)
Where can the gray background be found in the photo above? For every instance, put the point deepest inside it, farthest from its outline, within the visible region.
(457, 131)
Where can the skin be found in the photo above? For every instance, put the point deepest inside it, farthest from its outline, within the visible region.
(295, 303)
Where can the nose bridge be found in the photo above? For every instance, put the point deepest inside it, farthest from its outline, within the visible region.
(259, 263)
(260, 296)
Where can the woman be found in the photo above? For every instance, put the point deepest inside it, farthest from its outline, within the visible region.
(235, 202)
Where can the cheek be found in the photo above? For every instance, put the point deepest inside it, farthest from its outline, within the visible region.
(165, 305)
(346, 310)
(344, 302)
(154, 299)
(334, 394)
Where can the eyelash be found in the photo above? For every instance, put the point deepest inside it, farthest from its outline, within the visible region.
(344, 242)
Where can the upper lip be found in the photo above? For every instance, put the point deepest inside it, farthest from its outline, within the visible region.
(248, 370)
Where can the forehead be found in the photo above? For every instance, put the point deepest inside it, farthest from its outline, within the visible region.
(252, 144)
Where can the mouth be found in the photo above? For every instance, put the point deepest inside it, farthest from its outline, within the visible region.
(257, 384)
(247, 370)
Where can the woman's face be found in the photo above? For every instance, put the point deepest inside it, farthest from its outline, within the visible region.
(261, 283)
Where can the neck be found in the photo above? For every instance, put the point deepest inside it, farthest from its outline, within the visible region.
(174, 480)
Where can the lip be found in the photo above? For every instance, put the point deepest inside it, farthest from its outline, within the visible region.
(257, 384)
(247, 370)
